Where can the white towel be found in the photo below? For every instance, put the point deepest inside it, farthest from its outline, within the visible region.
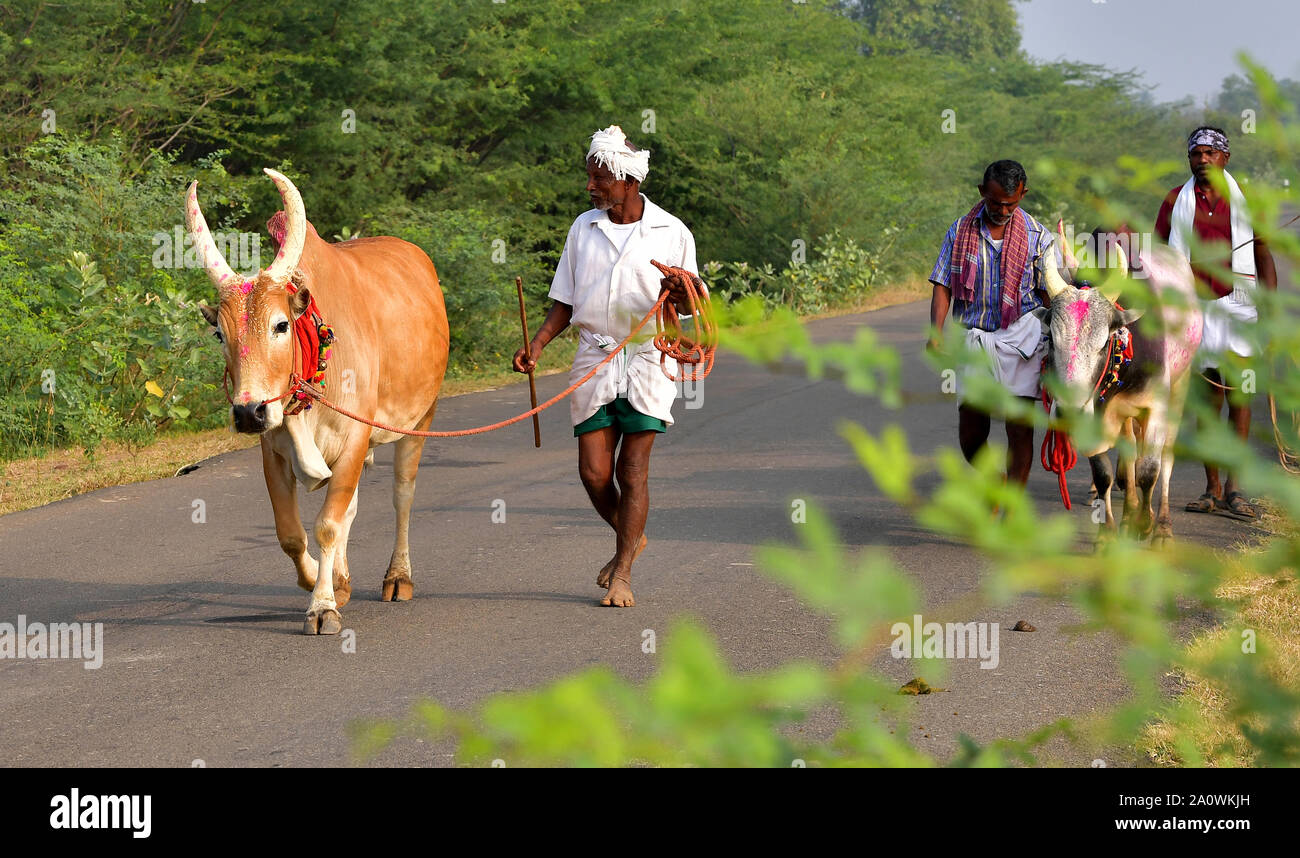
(1015, 355)
(1224, 317)
(1243, 257)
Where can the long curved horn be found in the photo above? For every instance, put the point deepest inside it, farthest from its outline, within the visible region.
(222, 275)
(295, 228)
(1053, 281)
(1115, 282)
(1067, 256)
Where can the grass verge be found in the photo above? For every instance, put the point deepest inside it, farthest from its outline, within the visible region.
(1199, 726)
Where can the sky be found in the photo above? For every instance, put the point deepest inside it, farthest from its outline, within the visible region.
(1182, 47)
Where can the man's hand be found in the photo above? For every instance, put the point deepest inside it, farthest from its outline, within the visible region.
(676, 288)
(676, 282)
(526, 359)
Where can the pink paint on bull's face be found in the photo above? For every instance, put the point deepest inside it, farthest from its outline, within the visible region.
(1079, 312)
(246, 396)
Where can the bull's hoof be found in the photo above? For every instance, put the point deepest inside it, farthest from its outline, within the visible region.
(1163, 537)
(1106, 536)
(342, 590)
(397, 589)
(323, 622)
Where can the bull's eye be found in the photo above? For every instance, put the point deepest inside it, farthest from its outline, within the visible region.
(217, 333)
(282, 326)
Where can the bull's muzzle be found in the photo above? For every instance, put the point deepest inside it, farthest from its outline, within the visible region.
(250, 417)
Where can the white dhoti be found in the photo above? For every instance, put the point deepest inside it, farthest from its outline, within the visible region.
(1013, 356)
(1225, 328)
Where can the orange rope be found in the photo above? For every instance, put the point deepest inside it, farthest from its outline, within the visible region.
(704, 333)
(699, 356)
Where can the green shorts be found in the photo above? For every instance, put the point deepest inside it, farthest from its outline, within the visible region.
(622, 416)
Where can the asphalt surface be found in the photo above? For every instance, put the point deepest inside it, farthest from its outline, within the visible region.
(204, 656)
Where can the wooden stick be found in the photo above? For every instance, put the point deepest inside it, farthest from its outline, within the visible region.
(532, 385)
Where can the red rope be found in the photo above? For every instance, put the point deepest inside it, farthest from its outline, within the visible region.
(1057, 453)
(669, 340)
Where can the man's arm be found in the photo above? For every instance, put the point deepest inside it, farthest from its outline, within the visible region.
(557, 319)
(1265, 270)
(941, 297)
(940, 301)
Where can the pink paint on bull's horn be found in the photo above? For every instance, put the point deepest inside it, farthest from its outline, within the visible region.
(223, 277)
(1067, 255)
(295, 228)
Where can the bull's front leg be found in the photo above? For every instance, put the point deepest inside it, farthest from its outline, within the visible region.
(342, 576)
(282, 486)
(332, 525)
(1150, 467)
(1169, 421)
(1126, 472)
(1103, 478)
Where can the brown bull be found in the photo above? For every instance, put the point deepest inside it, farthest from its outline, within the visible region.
(382, 298)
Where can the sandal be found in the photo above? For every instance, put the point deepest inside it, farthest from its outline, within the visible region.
(1205, 503)
(1236, 506)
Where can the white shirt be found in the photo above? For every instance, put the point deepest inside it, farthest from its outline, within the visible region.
(610, 290)
(619, 233)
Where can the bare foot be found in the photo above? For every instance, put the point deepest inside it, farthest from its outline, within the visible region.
(620, 594)
(602, 580)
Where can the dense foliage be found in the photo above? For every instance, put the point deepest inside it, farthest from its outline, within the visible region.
(461, 127)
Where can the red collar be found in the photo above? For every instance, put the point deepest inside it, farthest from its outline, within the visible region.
(313, 340)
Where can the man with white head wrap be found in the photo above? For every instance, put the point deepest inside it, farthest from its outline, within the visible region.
(1215, 235)
(604, 284)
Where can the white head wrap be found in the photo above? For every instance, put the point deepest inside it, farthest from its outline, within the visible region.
(609, 148)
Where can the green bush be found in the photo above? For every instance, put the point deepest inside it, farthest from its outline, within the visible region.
(87, 313)
(841, 272)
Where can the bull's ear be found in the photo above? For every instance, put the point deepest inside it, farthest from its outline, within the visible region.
(299, 301)
(209, 313)
(1124, 318)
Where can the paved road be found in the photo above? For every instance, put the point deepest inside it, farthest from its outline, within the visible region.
(204, 656)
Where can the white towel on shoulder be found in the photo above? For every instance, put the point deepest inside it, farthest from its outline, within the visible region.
(1224, 317)
(1243, 257)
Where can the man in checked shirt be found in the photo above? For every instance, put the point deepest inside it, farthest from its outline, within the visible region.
(990, 276)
